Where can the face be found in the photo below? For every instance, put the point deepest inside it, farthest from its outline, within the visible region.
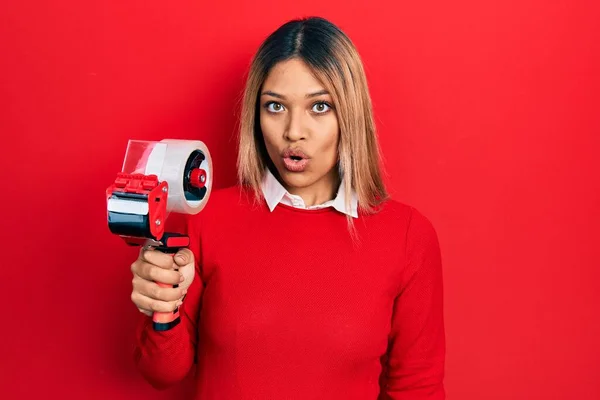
(300, 128)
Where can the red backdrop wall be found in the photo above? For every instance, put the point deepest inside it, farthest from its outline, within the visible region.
(488, 119)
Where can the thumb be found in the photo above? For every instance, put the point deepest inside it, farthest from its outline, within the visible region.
(183, 257)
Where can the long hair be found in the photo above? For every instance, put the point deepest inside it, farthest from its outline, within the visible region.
(334, 61)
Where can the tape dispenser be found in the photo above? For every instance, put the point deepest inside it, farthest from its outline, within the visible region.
(158, 178)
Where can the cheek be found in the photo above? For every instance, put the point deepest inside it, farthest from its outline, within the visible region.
(269, 132)
(330, 140)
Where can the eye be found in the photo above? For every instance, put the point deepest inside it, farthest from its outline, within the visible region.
(274, 107)
(321, 107)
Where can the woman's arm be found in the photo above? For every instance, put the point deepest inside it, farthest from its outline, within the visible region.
(165, 358)
(414, 367)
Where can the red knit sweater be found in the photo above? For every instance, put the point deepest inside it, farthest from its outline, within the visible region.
(285, 306)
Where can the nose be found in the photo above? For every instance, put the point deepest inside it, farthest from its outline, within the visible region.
(296, 129)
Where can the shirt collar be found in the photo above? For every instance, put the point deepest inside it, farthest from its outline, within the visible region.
(274, 194)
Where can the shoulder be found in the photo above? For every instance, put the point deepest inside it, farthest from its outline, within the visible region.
(409, 219)
(225, 201)
(227, 196)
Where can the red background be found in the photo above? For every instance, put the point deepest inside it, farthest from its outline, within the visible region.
(488, 118)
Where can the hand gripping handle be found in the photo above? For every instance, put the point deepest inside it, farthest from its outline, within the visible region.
(164, 321)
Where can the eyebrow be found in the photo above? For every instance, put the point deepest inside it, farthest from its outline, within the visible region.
(280, 96)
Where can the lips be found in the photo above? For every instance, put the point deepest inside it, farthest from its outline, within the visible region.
(295, 160)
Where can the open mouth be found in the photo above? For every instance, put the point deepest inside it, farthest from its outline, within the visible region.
(295, 163)
(295, 160)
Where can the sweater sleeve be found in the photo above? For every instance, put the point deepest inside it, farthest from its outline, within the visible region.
(414, 364)
(165, 358)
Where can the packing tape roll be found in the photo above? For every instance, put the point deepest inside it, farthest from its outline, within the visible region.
(170, 160)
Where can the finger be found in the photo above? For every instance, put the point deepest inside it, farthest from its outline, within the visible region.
(153, 273)
(157, 258)
(146, 304)
(156, 292)
(146, 312)
(183, 257)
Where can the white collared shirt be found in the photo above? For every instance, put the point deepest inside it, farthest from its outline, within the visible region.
(275, 193)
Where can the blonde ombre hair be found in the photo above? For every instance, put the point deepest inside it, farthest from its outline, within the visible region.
(335, 62)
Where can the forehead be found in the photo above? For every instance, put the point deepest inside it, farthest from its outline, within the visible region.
(292, 77)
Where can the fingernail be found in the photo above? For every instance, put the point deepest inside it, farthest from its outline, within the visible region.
(181, 278)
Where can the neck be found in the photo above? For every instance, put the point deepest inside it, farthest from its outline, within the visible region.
(321, 191)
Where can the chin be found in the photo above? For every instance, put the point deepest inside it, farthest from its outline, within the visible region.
(297, 179)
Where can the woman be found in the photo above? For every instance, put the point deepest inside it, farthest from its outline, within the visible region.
(305, 281)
